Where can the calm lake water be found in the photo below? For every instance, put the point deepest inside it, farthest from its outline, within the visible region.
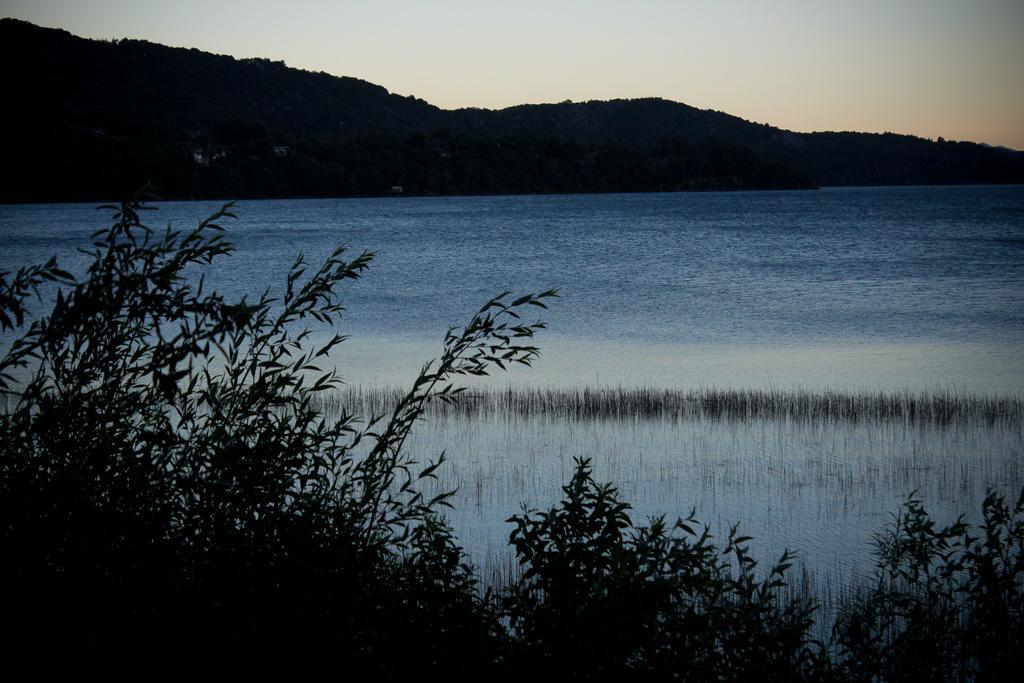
(847, 289)
(854, 288)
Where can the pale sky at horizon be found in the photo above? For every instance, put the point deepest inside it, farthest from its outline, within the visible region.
(932, 68)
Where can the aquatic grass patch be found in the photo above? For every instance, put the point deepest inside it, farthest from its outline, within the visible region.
(648, 403)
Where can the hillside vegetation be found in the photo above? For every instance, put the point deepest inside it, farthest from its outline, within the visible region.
(88, 118)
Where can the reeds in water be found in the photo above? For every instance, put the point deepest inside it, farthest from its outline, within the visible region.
(648, 403)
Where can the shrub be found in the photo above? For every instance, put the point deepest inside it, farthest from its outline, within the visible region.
(601, 597)
(947, 602)
(165, 481)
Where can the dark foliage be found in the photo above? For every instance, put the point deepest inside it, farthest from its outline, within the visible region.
(165, 483)
(602, 598)
(52, 164)
(948, 603)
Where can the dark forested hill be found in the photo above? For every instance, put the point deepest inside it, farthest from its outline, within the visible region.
(93, 119)
(133, 87)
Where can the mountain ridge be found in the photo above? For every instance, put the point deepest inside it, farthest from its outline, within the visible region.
(95, 117)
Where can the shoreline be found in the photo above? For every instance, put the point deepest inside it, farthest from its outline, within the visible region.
(722, 190)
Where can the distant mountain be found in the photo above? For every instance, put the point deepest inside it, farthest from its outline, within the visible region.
(90, 119)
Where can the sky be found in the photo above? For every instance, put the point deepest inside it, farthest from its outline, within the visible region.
(950, 68)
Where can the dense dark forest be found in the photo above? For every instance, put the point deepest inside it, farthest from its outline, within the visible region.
(89, 119)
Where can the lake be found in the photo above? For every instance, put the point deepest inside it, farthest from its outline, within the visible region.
(857, 287)
(917, 289)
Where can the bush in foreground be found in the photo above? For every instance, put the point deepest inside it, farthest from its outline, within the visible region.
(947, 602)
(604, 597)
(164, 478)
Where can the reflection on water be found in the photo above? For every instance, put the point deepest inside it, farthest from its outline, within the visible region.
(978, 368)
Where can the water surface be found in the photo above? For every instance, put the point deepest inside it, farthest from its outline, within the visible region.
(844, 287)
